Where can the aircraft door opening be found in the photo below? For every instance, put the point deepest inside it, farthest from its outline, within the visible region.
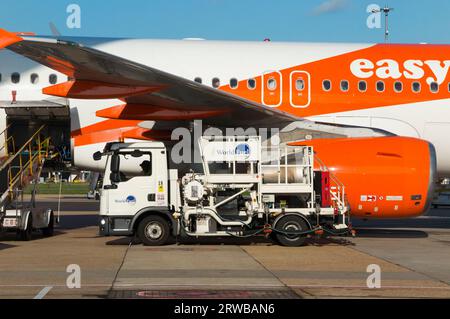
(272, 89)
(300, 89)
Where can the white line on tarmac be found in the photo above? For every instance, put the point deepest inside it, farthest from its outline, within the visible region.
(365, 287)
(124, 285)
(228, 285)
(43, 292)
(151, 285)
(271, 286)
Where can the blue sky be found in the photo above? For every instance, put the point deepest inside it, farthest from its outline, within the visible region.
(281, 20)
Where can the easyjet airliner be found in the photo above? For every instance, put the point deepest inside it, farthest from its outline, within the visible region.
(378, 115)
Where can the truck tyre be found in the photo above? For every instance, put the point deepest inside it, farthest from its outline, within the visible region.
(27, 234)
(153, 231)
(294, 224)
(49, 230)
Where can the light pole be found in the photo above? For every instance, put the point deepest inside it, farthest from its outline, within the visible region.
(386, 11)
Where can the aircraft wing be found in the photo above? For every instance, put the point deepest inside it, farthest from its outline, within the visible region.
(91, 71)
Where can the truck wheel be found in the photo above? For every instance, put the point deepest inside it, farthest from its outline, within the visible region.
(27, 234)
(48, 231)
(153, 231)
(291, 223)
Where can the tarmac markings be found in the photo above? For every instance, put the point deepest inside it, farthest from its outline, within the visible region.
(43, 292)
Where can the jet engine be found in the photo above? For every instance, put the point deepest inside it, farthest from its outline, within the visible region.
(384, 177)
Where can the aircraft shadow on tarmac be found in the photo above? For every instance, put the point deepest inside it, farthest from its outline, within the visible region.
(66, 224)
(395, 228)
(13, 237)
(6, 246)
(78, 221)
(389, 233)
(412, 224)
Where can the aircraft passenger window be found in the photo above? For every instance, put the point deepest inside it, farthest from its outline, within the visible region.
(53, 78)
(198, 80)
(398, 86)
(434, 87)
(34, 78)
(0, 77)
(326, 85)
(380, 86)
(362, 86)
(234, 83)
(15, 78)
(416, 87)
(300, 84)
(344, 86)
(272, 84)
(251, 84)
(215, 83)
(448, 83)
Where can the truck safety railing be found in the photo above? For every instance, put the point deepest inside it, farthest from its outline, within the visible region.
(337, 189)
(209, 157)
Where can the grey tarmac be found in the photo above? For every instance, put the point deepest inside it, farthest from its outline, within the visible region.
(414, 257)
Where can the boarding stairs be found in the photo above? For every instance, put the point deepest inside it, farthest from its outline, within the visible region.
(19, 167)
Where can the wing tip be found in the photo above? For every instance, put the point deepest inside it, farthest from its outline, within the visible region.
(8, 38)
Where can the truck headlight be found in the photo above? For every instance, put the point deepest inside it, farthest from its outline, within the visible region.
(103, 222)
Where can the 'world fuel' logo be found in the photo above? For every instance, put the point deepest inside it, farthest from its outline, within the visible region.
(242, 149)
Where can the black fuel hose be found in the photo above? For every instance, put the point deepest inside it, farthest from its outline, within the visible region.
(288, 233)
(247, 236)
(292, 233)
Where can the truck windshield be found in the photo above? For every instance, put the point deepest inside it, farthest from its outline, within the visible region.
(132, 167)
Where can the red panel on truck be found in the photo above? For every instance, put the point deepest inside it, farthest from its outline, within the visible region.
(326, 197)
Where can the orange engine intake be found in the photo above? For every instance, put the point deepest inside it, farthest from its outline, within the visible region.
(384, 177)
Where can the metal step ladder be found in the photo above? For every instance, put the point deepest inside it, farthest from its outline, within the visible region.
(23, 166)
(337, 190)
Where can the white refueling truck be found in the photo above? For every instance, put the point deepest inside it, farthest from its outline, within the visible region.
(244, 190)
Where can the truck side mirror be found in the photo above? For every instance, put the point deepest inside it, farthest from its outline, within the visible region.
(115, 177)
(97, 156)
(115, 169)
(115, 163)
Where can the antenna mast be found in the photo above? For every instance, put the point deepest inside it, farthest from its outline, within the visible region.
(386, 10)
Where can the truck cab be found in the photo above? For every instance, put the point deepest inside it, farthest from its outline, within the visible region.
(134, 185)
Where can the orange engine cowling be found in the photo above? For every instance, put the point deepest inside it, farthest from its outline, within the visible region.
(384, 177)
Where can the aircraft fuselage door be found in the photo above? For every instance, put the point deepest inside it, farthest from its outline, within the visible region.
(300, 89)
(272, 88)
